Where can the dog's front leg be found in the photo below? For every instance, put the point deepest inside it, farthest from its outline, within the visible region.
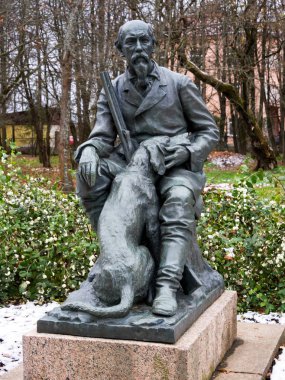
(153, 242)
(152, 229)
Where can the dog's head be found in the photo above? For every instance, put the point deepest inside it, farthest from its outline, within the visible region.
(155, 149)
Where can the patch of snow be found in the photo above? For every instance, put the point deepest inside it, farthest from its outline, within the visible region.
(14, 322)
(228, 160)
(254, 317)
(219, 186)
(278, 370)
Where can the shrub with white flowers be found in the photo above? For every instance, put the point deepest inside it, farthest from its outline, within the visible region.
(243, 237)
(46, 244)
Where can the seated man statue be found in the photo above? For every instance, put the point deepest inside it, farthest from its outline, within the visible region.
(154, 102)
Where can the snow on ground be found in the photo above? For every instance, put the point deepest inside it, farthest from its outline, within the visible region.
(18, 320)
(231, 161)
(226, 159)
(219, 186)
(254, 317)
(278, 370)
(14, 322)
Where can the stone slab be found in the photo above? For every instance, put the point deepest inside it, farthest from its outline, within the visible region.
(140, 324)
(252, 353)
(194, 356)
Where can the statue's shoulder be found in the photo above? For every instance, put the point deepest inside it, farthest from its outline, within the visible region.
(173, 76)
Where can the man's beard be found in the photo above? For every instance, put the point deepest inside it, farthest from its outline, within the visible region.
(140, 65)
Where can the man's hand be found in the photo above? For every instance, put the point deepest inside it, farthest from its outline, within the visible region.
(176, 155)
(89, 165)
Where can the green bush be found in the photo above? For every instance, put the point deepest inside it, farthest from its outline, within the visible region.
(243, 237)
(46, 245)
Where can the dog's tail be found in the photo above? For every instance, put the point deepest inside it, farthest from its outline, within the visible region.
(120, 310)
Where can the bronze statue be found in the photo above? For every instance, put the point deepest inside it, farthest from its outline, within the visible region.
(149, 249)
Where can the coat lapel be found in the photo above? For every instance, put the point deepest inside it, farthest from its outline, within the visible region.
(130, 94)
(154, 96)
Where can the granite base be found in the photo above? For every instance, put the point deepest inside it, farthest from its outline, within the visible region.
(193, 357)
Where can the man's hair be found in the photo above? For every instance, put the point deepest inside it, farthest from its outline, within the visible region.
(119, 41)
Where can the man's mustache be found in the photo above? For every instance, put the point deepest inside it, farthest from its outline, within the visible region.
(137, 56)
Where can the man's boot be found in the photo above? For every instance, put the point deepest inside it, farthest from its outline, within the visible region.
(169, 274)
(177, 218)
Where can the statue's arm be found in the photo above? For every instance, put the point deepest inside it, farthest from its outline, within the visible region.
(89, 165)
(201, 124)
(103, 134)
(100, 143)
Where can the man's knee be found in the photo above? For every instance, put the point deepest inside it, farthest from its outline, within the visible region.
(93, 198)
(180, 195)
(177, 208)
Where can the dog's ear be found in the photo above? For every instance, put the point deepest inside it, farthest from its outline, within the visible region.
(156, 158)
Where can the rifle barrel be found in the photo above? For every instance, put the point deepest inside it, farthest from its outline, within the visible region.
(116, 113)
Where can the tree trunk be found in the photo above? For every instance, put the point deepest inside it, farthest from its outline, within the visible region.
(221, 72)
(263, 153)
(65, 162)
(234, 127)
(282, 109)
(3, 84)
(40, 117)
(269, 119)
(36, 120)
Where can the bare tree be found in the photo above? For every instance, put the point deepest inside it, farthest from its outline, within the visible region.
(265, 156)
(66, 67)
(3, 73)
(238, 42)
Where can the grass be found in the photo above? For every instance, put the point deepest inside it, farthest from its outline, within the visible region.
(217, 175)
(272, 185)
(31, 166)
(32, 162)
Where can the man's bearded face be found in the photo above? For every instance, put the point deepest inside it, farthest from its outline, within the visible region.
(137, 47)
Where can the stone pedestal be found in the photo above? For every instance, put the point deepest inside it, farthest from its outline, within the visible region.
(193, 357)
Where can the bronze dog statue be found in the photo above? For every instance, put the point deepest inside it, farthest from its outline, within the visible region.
(128, 230)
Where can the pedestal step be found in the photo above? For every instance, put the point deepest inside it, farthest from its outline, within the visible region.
(252, 352)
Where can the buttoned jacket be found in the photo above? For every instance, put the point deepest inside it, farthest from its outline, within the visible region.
(172, 107)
